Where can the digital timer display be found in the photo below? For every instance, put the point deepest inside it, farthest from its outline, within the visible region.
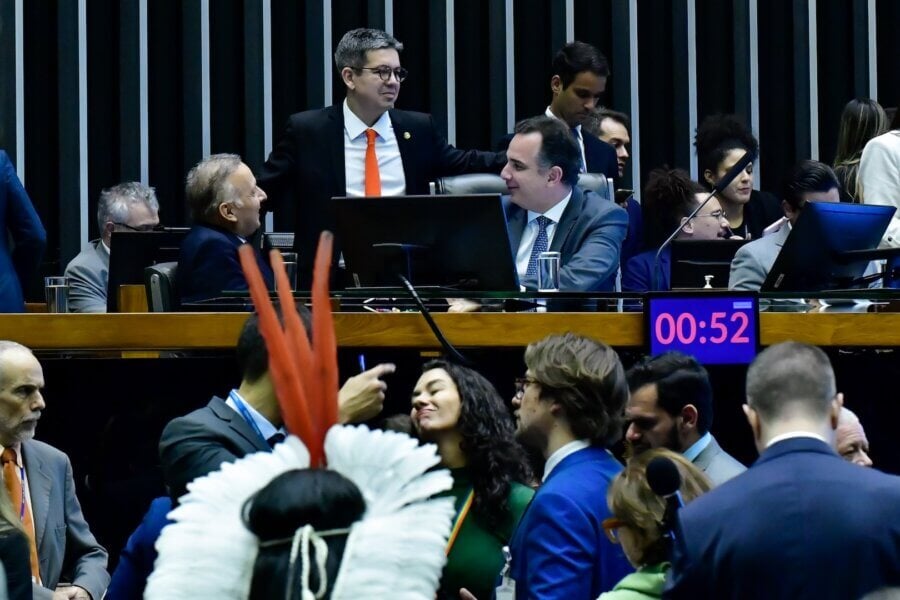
(714, 328)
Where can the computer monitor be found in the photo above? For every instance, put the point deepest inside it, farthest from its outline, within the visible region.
(451, 242)
(694, 260)
(818, 253)
(133, 251)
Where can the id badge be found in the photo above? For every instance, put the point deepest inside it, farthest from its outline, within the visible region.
(507, 589)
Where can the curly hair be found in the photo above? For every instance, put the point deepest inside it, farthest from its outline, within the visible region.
(587, 379)
(716, 136)
(494, 459)
(668, 196)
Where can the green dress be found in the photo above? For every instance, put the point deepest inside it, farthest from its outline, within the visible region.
(477, 557)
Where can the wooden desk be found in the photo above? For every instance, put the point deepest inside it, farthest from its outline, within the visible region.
(196, 331)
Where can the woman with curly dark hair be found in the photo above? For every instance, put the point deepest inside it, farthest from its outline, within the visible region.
(459, 410)
(721, 141)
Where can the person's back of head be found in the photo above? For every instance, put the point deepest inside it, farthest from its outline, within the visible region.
(632, 501)
(302, 518)
(669, 197)
(252, 353)
(577, 57)
(586, 379)
(207, 186)
(558, 147)
(861, 120)
(680, 381)
(792, 384)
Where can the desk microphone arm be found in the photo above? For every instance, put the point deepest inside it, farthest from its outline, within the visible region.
(451, 352)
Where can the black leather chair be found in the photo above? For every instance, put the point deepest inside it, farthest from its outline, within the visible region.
(159, 282)
(488, 183)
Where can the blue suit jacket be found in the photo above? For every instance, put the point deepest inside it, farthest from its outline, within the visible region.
(637, 273)
(588, 237)
(800, 523)
(19, 221)
(560, 549)
(137, 558)
(599, 156)
(208, 264)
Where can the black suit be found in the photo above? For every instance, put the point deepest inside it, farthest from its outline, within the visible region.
(198, 443)
(599, 156)
(306, 168)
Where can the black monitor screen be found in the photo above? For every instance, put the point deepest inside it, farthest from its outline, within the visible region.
(811, 260)
(455, 242)
(133, 251)
(695, 260)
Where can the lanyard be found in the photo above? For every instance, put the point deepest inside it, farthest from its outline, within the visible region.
(22, 504)
(459, 521)
(242, 408)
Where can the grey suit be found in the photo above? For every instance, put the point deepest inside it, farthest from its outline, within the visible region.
(198, 443)
(67, 550)
(588, 237)
(753, 261)
(718, 465)
(88, 275)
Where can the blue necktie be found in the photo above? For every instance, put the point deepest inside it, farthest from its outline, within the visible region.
(582, 168)
(540, 245)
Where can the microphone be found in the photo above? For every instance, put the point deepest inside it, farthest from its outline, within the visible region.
(452, 353)
(665, 480)
(723, 183)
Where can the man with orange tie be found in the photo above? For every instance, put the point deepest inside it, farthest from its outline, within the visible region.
(66, 560)
(360, 147)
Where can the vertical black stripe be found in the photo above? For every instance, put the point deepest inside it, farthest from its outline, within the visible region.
(67, 106)
(129, 76)
(743, 94)
(254, 147)
(800, 15)
(497, 92)
(8, 139)
(191, 81)
(680, 112)
(315, 74)
(437, 63)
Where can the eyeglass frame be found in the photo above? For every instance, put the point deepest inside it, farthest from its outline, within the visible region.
(722, 214)
(384, 73)
(611, 526)
(521, 383)
(142, 229)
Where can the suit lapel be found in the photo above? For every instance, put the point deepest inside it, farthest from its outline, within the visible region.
(40, 484)
(406, 142)
(568, 220)
(516, 219)
(238, 425)
(335, 135)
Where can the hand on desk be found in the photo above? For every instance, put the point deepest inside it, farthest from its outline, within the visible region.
(462, 305)
(362, 396)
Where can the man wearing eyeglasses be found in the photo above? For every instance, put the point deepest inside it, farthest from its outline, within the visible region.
(360, 147)
(130, 206)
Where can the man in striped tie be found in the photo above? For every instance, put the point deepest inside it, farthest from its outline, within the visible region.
(547, 211)
(38, 480)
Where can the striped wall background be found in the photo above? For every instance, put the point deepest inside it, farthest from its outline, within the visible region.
(93, 92)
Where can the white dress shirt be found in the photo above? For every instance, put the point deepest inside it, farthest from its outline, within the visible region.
(529, 234)
(390, 164)
(578, 138)
(561, 453)
(796, 434)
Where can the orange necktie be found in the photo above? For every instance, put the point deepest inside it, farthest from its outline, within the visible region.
(11, 477)
(373, 178)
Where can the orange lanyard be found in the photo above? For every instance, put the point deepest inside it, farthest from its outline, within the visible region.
(459, 521)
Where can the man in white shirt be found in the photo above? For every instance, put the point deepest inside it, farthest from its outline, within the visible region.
(801, 522)
(547, 211)
(569, 407)
(130, 206)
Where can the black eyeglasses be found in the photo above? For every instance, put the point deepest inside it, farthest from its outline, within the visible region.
(385, 73)
(521, 384)
(144, 228)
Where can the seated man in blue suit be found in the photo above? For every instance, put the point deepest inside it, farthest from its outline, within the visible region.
(579, 79)
(225, 201)
(569, 407)
(801, 522)
(546, 211)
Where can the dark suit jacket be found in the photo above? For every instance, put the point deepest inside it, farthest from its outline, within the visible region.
(67, 550)
(19, 221)
(198, 443)
(599, 156)
(637, 273)
(14, 555)
(208, 264)
(800, 523)
(306, 168)
(588, 236)
(559, 549)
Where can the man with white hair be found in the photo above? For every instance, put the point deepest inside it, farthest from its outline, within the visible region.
(130, 206)
(850, 439)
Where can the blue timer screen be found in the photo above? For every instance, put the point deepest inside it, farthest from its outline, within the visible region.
(715, 329)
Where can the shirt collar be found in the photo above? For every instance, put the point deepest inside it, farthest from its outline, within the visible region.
(18, 448)
(355, 127)
(265, 427)
(796, 434)
(697, 447)
(555, 213)
(549, 113)
(561, 453)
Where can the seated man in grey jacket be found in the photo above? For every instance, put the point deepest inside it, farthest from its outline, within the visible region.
(130, 206)
(671, 407)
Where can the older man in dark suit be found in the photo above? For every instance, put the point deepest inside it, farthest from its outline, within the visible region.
(66, 560)
(546, 211)
(361, 147)
(800, 523)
